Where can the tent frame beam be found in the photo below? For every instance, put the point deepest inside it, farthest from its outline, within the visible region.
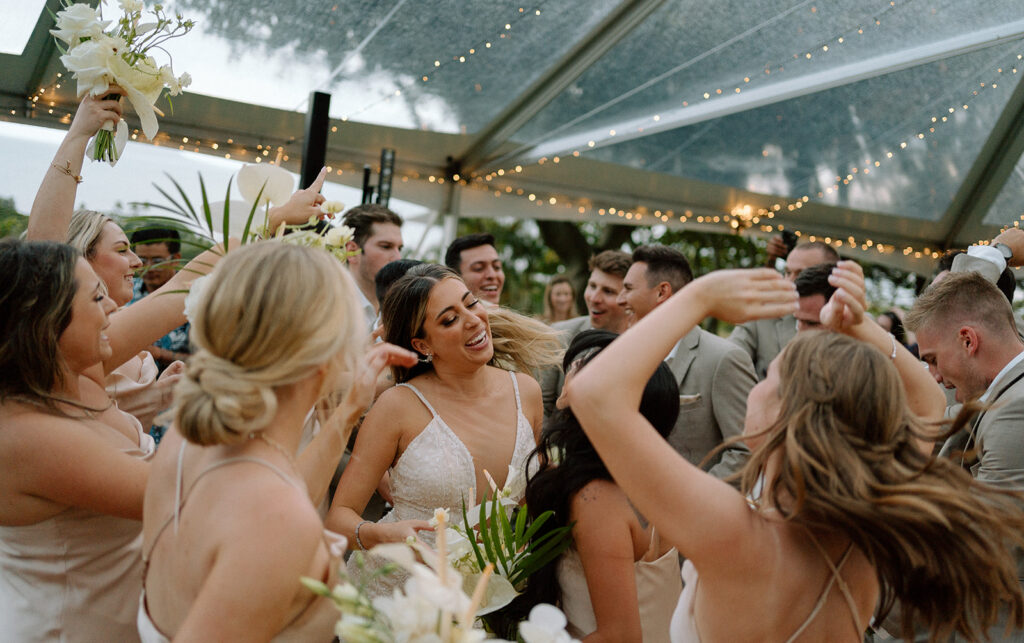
(963, 219)
(613, 28)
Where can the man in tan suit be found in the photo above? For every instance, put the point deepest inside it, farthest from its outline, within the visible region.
(607, 270)
(967, 335)
(714, 375)
(763, 339)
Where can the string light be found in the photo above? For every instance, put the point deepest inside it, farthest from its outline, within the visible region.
(439, 63)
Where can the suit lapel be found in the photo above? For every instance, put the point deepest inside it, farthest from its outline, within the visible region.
(686, 353)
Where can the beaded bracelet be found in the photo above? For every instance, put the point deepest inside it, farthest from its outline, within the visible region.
(358, 540)
(67, 170)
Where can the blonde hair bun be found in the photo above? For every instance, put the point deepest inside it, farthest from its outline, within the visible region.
(271, 315)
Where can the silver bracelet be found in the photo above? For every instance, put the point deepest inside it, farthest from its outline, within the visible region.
(893, 338)
(358, 541)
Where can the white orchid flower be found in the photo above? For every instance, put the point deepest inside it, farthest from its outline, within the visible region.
(194, 299)
(440, 514)
(332, 207)
(339, 236)
(279, 183)
(545, 625)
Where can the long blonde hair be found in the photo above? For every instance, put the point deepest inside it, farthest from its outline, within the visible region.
(939, 540)
(85, 230)
(271, 314)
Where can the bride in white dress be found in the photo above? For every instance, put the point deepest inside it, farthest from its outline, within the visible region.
(451, 418)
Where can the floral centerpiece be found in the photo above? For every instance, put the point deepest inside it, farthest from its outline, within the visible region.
(100, 56)
(432, 607)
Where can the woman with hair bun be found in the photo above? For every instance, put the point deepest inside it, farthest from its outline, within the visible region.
(229, 524)
(852, 514)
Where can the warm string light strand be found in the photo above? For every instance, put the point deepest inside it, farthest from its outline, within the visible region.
(440, 63)
(740, 218)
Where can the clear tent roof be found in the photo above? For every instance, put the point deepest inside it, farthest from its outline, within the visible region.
(892, 124)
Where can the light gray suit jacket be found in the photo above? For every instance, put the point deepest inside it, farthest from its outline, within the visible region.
(714, 377)
(552, 378)
(998, 436)
(763, 339)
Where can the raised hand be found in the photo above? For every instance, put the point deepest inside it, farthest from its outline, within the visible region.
(302, 205)
(737, 296)
(373, 363)
(845, 309)
(93, 112)
(1014, 238)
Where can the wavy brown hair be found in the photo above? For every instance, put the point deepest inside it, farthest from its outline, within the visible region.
(940, 541)
(520, 343)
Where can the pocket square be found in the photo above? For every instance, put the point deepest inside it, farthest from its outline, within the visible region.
(689, 400)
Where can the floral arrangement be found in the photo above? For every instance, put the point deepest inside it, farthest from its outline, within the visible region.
(498, 535)
(432, 607)
(99, 57)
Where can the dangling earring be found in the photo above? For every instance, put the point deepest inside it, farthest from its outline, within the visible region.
(426, 360)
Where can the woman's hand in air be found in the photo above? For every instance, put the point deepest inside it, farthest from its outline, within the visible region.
(94, 111)
(737, 296)
(845, 309)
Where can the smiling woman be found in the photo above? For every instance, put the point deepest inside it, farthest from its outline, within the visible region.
(453, 416)
(72, 492)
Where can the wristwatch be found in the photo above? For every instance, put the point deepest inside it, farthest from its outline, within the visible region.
(1005, 250)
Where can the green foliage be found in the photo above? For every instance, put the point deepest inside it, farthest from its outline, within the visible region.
(12, 222)
(196, 226)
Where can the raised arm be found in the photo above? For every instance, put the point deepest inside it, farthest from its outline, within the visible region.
(320, 458)
(135, 327)
(51, 211)
(684, 503)
(844, 313)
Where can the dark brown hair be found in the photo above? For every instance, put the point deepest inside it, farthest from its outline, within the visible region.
(35, 309)
(362, 217)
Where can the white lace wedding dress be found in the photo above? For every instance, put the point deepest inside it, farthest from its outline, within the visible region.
(437, 470)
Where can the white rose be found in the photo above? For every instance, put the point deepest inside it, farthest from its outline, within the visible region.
(77, 22)
(90, 63)
(276, 182)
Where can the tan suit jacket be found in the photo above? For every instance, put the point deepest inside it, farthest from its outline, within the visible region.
(997, 434)
(715, 377)
(763, 339)
(552, 379)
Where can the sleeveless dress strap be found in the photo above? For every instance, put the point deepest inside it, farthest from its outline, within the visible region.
(833, 580)
(515, 387)
(422, 398)
(180, 499)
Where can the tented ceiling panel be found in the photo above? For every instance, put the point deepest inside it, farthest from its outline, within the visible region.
(374, 56)
(1008, 207)
(690, 48)
(888, 144)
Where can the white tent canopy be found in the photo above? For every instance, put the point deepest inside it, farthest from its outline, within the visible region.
(895, 128)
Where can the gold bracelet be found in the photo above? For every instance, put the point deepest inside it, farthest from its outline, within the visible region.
(67, 170)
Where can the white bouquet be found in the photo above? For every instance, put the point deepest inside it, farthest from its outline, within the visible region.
(99, 57)
(433, 607)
